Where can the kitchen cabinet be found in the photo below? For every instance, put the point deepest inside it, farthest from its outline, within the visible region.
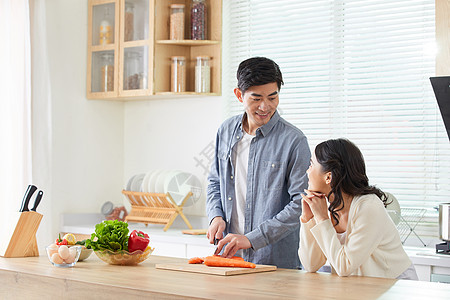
(129, 50)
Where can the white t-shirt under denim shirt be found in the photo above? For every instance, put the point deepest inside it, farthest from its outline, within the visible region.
(240, 162)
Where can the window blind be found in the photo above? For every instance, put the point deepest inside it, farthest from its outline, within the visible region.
(357, 69)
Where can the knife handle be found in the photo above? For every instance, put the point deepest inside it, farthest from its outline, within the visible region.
(26, 198)
(38, 200)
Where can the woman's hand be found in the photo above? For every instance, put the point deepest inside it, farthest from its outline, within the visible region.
(306, 210)
(318, 205)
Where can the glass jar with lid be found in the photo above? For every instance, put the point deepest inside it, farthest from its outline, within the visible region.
(107, 72)
(106, 35)
(198, 19)
(129, 22)
(202, 74)
(178, 74)
(132, 71)
(177, 21)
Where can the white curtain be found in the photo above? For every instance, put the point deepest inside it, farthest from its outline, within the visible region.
(15, 107)
(41, 119)
(25, 111)
(356, 69)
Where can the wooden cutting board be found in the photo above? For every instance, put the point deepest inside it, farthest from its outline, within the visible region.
(194, 231)
(224, 271)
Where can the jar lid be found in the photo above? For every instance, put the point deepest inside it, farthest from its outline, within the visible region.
(107, 208)
(203, 57)
(177, 6)
(178, 57)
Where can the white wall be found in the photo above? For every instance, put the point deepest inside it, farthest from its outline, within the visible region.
(88, 151)
(170, 134)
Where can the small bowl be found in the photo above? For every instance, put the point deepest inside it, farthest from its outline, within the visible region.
(85, 253)
(56, 260)
(124, 258)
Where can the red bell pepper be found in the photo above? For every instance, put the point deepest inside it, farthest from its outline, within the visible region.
(59, 241)
(138, 241)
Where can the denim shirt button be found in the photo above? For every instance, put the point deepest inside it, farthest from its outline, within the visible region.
(273, 165)
(229, 198)
(231, 177)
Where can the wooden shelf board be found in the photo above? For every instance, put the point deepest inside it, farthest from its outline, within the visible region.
(187, 42)
(186, 94)
(98, 48)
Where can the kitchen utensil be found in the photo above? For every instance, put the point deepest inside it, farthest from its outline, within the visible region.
(224, 271)
(178, 184)
(136, 185)
(124, 258)
(159, 185)
(107, 208)
(26, 198)
(130, 182)
(145, 182)
(37, 200)
(195, 231)
(152, 181)
(57, 261)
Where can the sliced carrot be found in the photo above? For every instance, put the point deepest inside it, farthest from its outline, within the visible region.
(216, 261)
(234, 257)
(237, 257)
(196, 260)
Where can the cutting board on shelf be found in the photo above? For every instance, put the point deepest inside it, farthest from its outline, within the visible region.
(195, 231)
(224, 271)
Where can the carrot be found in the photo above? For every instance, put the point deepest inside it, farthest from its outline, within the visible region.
(196, 260)
(234, 257)
(237, 257)
(215, 261)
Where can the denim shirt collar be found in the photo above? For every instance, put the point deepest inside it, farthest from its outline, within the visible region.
(265, 129)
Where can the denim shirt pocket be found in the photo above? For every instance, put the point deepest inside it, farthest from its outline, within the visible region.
(274, 174)
(223, 155)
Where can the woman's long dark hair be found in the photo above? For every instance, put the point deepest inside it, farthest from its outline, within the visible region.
(348, 172)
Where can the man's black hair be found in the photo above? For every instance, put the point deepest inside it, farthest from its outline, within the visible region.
(258, 71)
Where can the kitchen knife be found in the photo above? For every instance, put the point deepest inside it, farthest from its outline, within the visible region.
(38, 200)
(26, 198)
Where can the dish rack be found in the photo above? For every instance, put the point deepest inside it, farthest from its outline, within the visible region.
(155, 208)
(408, 220)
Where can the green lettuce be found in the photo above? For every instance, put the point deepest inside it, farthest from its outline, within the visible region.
(109, 235)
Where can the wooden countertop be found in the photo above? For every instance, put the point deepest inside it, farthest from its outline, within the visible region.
(36, 278)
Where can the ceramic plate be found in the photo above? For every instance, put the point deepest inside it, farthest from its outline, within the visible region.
(179, 184)
(159, 185)
(130, 181)
(136, 185)
(152, 181)
(146, 181)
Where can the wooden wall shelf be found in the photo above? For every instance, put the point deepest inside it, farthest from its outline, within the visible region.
(151, 42)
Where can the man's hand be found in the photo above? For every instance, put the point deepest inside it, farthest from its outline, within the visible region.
(235, 242)
(216, 229)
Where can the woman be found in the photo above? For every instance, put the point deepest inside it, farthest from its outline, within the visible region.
(344, 219)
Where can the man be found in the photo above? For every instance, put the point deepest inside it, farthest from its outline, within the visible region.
(258, 175)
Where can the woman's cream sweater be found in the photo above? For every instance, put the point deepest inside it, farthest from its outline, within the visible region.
(372, 245)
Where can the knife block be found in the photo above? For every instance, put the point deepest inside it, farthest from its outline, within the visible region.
(20, 239)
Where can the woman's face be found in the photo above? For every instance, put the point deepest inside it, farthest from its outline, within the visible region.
(319, 181)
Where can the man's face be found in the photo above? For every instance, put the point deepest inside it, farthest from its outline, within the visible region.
(260, 103)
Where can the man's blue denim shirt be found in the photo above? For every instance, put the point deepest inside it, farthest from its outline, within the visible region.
(278, 159)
